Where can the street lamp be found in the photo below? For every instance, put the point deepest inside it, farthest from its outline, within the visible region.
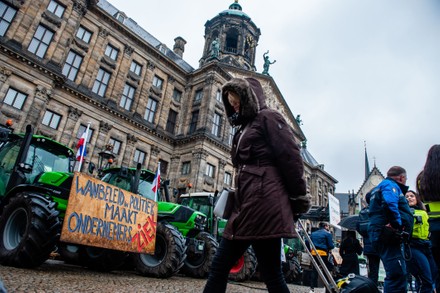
(107, 157)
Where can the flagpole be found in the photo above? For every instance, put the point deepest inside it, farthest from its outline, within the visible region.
(81, 158)
(157, 181)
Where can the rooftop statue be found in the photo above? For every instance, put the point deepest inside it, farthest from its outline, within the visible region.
(267, 63)
(215, 47)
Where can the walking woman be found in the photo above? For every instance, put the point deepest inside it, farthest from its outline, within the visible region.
(269, 169)
(428, 186)
(421, 265)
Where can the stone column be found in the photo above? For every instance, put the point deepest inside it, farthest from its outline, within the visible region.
(4, 75)
(41, 99)
(69, 128)
(199, 158)
(101, 139)
(154, 158)
(129, 150)
(220, 174)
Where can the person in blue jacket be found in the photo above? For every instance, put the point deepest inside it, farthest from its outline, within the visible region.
(391, 223)
(323, 241)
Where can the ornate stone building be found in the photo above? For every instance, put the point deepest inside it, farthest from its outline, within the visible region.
(67, 63)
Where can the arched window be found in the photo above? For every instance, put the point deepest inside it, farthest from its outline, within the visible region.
(231, 45)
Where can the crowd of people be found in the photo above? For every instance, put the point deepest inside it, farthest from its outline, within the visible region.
(401, 230)
(404, 228)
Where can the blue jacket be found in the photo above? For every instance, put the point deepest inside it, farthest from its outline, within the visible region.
(322, 239)
(389, 206)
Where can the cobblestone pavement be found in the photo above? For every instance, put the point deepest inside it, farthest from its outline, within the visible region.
(55, 276)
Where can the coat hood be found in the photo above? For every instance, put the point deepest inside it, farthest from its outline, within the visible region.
(252, 99)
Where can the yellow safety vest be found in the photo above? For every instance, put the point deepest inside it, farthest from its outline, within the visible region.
(421, 225)
(433, 209)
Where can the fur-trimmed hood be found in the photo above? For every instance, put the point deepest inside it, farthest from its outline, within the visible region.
(252, 98)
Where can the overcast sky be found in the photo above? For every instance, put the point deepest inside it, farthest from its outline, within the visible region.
(355, 70)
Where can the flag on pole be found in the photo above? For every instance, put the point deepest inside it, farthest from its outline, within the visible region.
(81, 146)
(156, 182)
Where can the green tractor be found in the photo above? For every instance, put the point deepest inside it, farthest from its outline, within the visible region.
(36, 176)
(35, 180)
(246, 266)
(200, 245)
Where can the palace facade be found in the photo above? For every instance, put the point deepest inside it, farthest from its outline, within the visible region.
(65, 64)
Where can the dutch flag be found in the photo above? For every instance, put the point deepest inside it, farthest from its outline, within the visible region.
(81, 146)
(156, 182)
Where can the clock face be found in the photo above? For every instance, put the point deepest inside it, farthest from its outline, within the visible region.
(250, 41)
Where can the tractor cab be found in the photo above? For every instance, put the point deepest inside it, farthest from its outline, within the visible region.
(200, 201)
(24, 158)
(125, 178)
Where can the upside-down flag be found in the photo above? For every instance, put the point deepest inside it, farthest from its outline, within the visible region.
(156, 181)
(81, 146)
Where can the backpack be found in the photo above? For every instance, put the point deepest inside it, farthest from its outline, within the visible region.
(364, 221)
(357, 284)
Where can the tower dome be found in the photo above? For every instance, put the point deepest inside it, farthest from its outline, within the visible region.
(231, 37)
(235, 9)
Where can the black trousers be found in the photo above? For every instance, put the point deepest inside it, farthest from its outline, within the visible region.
(268, 253)
(314, 275)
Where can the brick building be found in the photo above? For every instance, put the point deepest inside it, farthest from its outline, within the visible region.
(67, 63)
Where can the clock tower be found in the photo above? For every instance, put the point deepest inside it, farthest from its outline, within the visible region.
(231, 37)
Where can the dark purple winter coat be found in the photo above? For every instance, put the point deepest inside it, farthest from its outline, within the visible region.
(268, 163)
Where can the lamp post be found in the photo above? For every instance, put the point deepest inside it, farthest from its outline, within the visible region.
(105, 157)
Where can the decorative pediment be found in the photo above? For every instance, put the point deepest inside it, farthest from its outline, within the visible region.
(108, 61)
(208, 180)
(134, 77)
(155, 90)
(11, 114)
(52, 18)
(81, 44)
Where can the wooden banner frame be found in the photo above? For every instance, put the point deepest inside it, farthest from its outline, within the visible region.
(103, 215)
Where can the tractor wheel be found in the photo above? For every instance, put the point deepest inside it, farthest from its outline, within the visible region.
(292, 271)
(69, 252)
(245, 267)
(197, 264)
(29, 230)
(168, 257)
(101, 259)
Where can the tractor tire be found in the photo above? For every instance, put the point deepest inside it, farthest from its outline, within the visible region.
(29, 230)
(292, 271)
(245, 267)
(197, 264)
(101, 259)
(169, 254)
(69, 253)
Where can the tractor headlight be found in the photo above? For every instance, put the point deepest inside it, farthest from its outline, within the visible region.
(200, 222)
